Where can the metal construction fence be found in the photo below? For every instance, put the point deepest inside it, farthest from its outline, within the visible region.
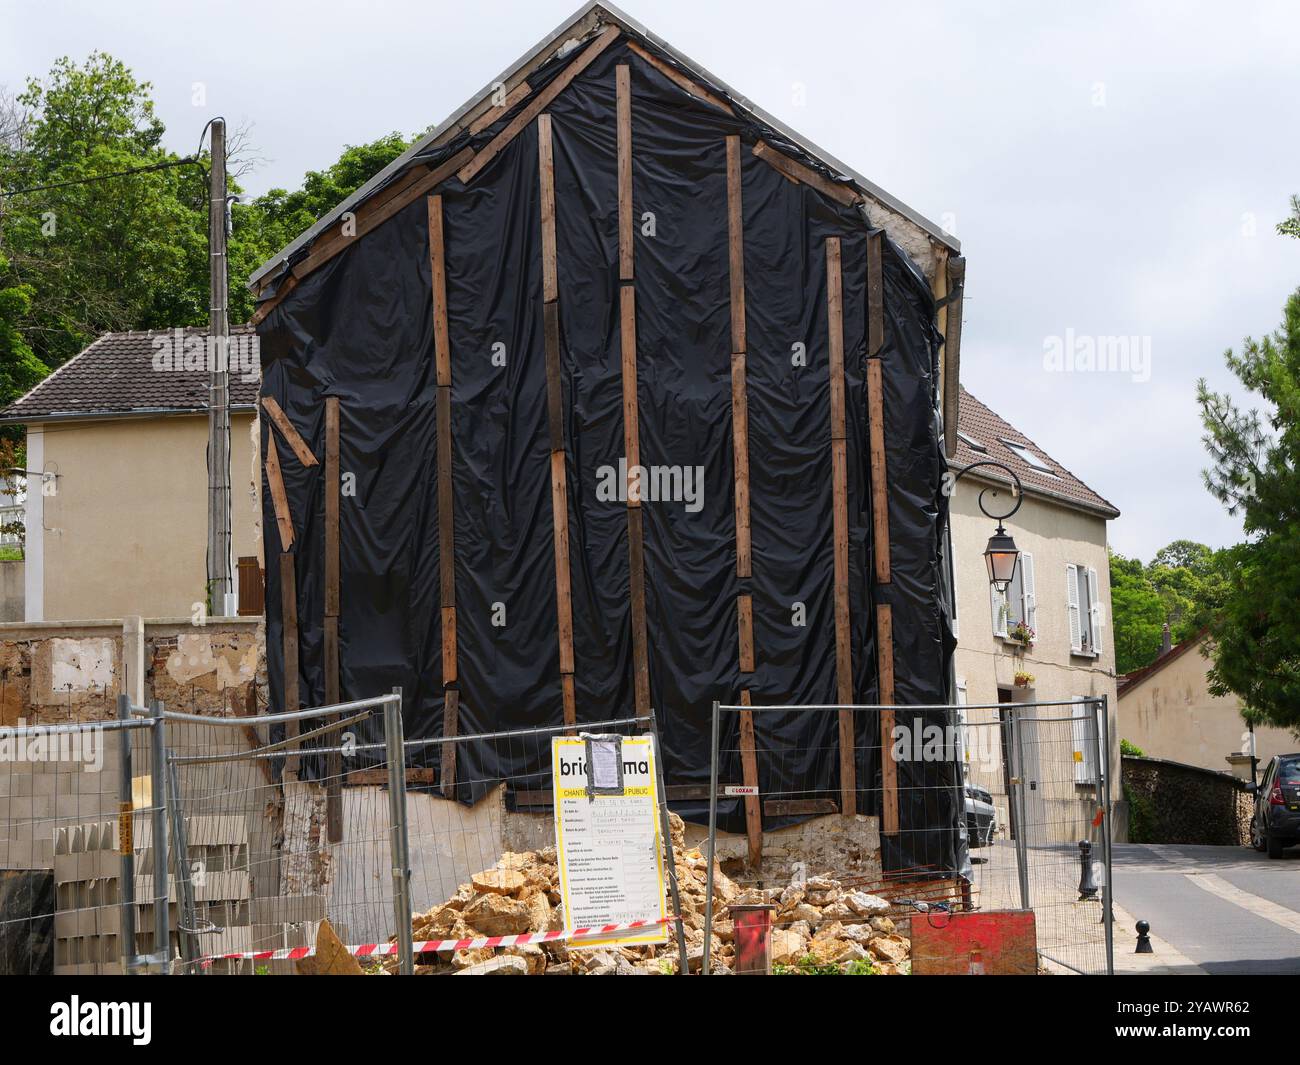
(956, 809)
(187, 843)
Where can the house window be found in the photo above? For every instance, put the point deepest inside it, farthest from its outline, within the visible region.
(1034, 462)
(1016, 606)
(1084, 607)
(972, 443)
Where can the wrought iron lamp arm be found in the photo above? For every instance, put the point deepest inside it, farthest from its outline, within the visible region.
(1018, 490)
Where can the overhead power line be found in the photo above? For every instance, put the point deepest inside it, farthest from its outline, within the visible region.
(187, 161)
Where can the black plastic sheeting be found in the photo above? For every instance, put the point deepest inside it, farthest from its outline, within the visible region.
(360, 328)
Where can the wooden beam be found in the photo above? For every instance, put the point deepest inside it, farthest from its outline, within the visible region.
(450, 727)
(334, 769)
(889, 767)
(554, 393)
(739, 404)
(623, 107)
(636, 583)
(267, 306)
(879, 471)
(840, 531)
(449, 645)
(499, 110)
(289, 645)
(438, 272)
(378, 778)
(279, 498)
(446, 518)
(333, 760)
(555, 420)
(570, 700)
(681, 80)
(952, 351)
(332, 478)
(875, 293)
(795, 171)
(745, 627)
(736, 245)
(291, 436)
(749, 771)
(539, 104)
(563, 604)
(546, 177)
(740, 462)
(835, 319)
(631, 420)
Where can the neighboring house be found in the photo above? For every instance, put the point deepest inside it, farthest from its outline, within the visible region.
(1167, 711)
(117, 520)
(1061, 591)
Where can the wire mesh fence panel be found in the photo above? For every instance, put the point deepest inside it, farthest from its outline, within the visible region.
(955, 810)
(284, 822)
(481, 820)
(61, 868)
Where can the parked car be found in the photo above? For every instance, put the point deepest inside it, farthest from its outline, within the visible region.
(981, 817)
(1275, 822)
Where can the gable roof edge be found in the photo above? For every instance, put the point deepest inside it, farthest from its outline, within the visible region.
(584, 22)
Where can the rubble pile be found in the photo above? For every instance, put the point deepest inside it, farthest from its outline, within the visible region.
(816, 924)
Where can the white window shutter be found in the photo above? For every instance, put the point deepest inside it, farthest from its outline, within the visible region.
(1084, 728)
(998, 604)
(1072, 606)
(1028, 603)
(1094, 601)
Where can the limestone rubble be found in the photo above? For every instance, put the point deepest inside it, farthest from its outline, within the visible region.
(817, 923)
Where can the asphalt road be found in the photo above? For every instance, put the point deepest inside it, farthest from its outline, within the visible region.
(1230, 910)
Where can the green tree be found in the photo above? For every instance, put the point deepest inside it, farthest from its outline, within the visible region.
(1139, 614)
(1255, 471)
(1290, 227)
(113, 253)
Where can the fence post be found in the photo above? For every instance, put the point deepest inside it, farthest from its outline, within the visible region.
(399, 842)
(1103, 770)
(186, 931)
(1022, 845)
(126, 837)
(665, 827)
(713, 837)
(158, 799)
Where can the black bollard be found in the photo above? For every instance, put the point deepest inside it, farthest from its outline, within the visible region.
(1144, 940)
(1087, 886)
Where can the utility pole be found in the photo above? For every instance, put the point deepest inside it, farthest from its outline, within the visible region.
(220, 584)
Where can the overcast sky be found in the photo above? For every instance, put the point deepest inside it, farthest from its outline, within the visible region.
(1112, 169)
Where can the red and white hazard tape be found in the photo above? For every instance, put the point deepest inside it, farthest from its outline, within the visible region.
(376, 950)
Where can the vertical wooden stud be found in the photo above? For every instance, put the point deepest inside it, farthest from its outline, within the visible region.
(840, 532)
(623, 100)
(889, 767)
(555, 418)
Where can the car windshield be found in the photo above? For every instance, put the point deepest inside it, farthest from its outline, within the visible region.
(1288, 771)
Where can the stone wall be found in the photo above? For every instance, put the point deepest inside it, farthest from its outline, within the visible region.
(1170, 802)
(57, 672)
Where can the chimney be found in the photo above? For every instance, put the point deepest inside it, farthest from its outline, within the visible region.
(1166, 644)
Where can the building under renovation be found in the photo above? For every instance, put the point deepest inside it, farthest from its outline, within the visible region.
(614, 394)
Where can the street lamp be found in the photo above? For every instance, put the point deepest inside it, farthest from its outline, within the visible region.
(1001, 555)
